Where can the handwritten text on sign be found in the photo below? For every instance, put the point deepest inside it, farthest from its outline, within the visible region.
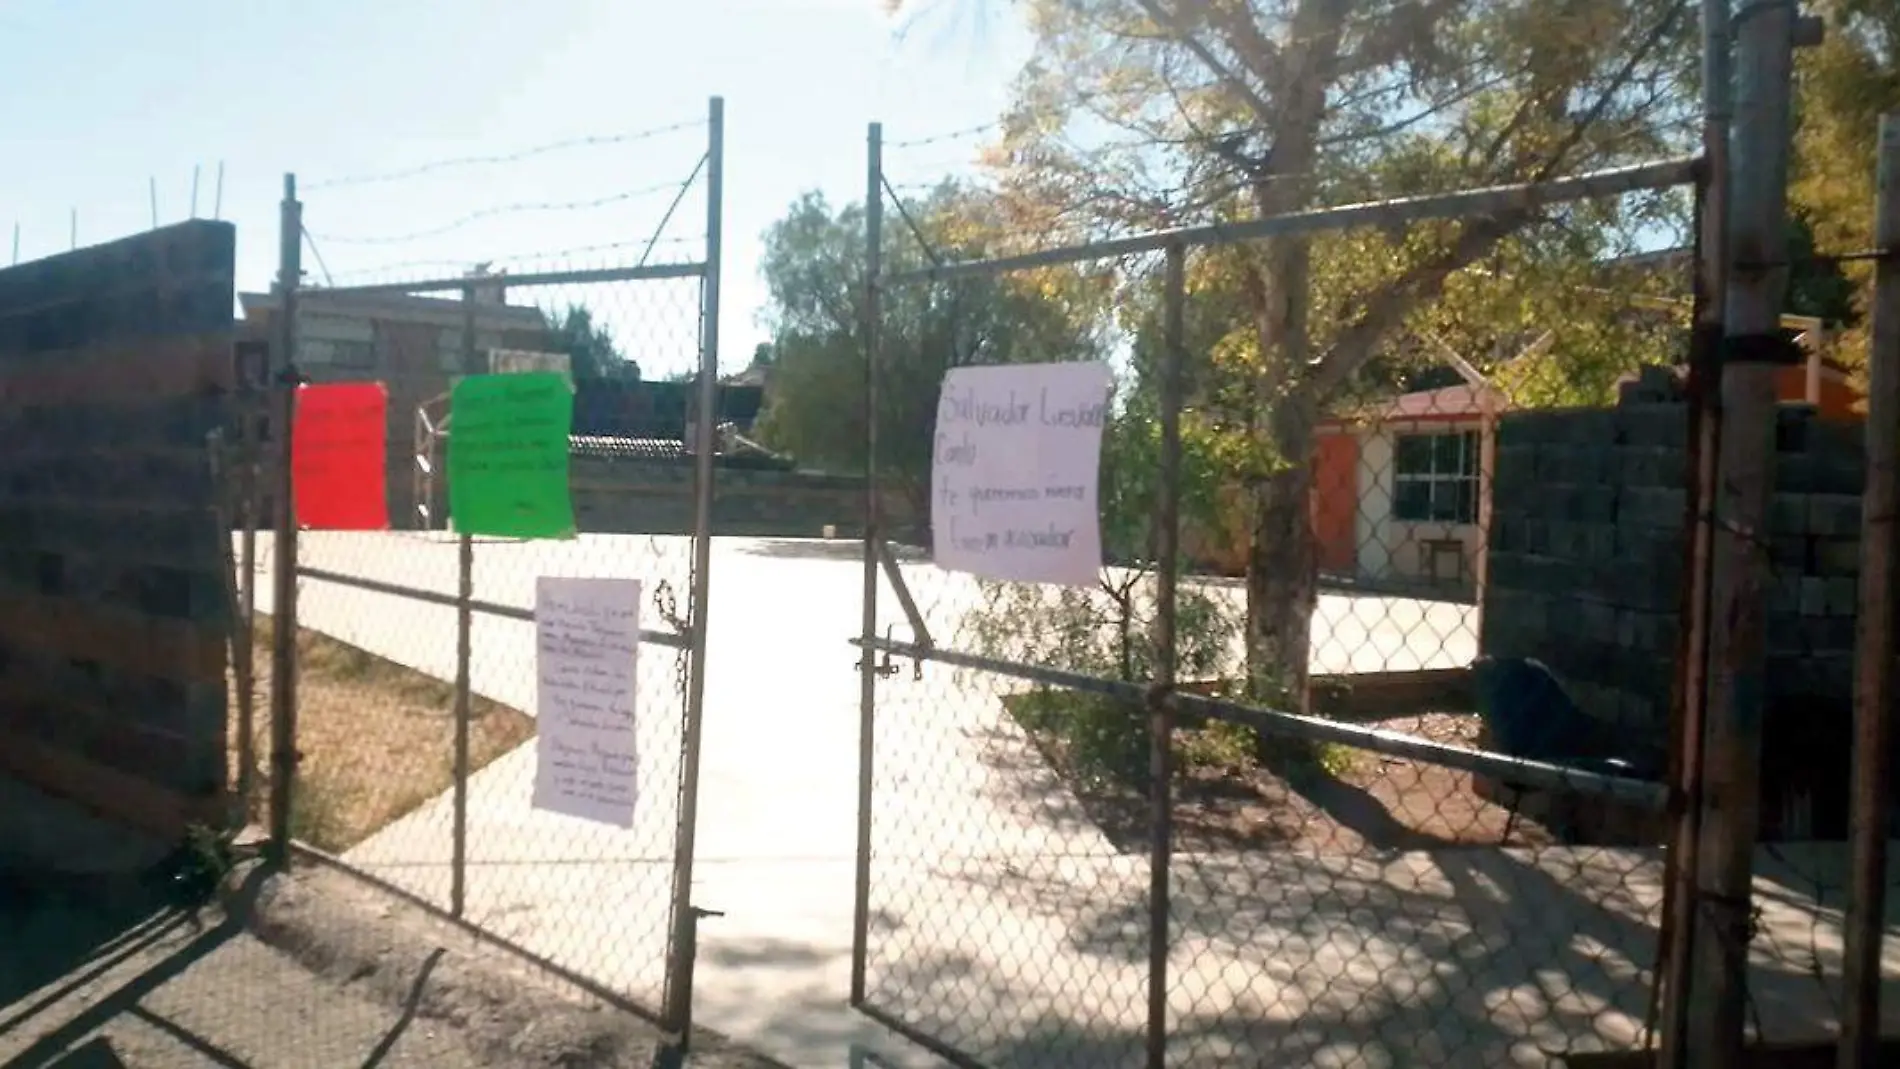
(1014, 471)
(339, 456)
(587, 639)
(508, 455)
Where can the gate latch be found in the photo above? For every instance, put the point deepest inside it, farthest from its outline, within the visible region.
(885, 666)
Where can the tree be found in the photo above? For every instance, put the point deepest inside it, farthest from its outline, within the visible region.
(814, 267)
(590, 347)
(1147, 113)
(1845, 85)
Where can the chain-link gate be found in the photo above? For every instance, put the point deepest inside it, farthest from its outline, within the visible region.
(402, 675)
(1094, 830)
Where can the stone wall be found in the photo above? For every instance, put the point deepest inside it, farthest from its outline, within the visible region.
(1587, 563)
(116, 367)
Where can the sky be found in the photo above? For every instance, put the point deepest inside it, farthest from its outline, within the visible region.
(113, 99)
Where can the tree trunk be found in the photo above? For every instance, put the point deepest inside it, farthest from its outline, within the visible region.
(1282, 576)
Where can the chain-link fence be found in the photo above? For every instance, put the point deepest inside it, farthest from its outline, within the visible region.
(1191, 810)
(406, 744)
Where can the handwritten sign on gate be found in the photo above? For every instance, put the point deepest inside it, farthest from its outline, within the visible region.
(587, 639)
(1014, 471)
(339, 458)
(508, 455)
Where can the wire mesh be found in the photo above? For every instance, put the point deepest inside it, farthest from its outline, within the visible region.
(1007, 915)
(1380, 880)
(1801, 866)
(378, 742)
(377, 647)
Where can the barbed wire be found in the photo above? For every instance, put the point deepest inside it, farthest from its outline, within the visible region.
(596, 141)
(508, 209)
(386, 270)
(910, 223)
(951, 135)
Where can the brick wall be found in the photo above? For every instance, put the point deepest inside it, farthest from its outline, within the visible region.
(1587, 562)
(115, 365)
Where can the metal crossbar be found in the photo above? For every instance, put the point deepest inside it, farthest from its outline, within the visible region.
(1460, 205)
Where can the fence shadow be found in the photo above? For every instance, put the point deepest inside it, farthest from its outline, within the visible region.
(67, 930)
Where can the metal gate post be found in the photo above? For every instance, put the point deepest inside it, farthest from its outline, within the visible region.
(283, 651)
(676, 1010)
(873, 533)
(464, 655)
(1161, 694)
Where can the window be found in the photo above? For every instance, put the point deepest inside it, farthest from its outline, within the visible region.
(1435, 478)
(336, 341)
(345, 354)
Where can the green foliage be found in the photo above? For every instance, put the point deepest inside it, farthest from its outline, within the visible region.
(814, 268)
(590, 347)
(1141, 114)
(1106, 631)
(197, 867)
(1104, 741)
(1843, 88)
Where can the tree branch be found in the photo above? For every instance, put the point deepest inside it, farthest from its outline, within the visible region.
(1409, 26)
(1258, 104)
(1388, 308)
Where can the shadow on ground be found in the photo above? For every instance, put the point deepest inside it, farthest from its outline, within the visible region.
(73, 940)
(1474, 956)
(110, 970)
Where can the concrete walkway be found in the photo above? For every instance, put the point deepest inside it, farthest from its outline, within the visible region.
(1003, 920)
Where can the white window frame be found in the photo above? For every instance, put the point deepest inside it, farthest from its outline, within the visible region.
(1442, 481)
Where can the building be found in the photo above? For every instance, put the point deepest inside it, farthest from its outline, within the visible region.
(1399, 492)
(1396, 486)
(413, 345)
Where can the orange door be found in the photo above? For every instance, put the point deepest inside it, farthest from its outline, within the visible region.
(1336, 501)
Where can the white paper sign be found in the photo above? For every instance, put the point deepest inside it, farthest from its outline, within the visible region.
(1014, 472)
(587, 640)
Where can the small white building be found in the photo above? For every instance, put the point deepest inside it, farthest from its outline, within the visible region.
(1398, 489)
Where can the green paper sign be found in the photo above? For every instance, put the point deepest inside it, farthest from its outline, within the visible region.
(508, 455)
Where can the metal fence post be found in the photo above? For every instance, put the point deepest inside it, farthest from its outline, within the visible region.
(254, 400)
(1874, 627)
(464, 650)
(867, 667)
(1731, 795)
(1690, 709)
(1167, 548)
(284, 543)
(682, 941)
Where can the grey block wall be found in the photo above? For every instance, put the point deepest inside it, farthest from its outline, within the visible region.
(1587, 564)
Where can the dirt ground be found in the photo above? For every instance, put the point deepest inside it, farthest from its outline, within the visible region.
(377, 738)
(301, 970)
(1367, 801)
(95, 984)
(1372, 802)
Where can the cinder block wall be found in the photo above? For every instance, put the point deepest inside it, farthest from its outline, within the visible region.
(115, 367)
(1587, 565)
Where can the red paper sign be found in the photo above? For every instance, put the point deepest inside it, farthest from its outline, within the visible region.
(339, 456)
